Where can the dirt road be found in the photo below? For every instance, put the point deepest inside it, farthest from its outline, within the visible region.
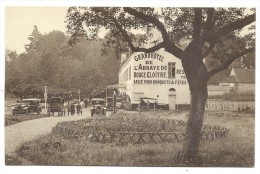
(25, 131)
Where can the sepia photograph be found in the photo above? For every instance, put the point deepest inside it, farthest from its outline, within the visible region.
(169, 87)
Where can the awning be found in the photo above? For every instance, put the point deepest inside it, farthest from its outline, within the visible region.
(148, 98)
(122, 85)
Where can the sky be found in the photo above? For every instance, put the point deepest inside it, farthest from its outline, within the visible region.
(19, 22)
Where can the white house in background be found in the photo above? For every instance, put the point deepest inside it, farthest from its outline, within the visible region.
(239, 80)
(158, 76)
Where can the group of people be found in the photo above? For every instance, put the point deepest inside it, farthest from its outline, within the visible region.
(71, 108)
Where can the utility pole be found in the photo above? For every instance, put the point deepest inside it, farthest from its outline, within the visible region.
(45, 97)
(114, 102)
(79, 95)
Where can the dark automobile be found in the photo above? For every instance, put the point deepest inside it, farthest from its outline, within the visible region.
(56, 104)
(109, 103)
(20, 108)
(98, 106)
(119, 103)
(30, 105)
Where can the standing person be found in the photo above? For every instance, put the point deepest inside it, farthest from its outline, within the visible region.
(68, 109)
(155, 104)
(81, 106)
(148, 105)
(72, 109)
(78, 108)
(86, 103)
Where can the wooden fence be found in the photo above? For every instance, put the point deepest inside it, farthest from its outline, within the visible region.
(124, 137)
(222, 105)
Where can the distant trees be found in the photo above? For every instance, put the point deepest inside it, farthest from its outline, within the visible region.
(49, 60)
(22, 90)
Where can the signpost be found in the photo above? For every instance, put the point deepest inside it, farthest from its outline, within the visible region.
(79, 95)
(45, 97)
(114, 102)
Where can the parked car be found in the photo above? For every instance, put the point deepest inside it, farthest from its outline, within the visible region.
(109, 103)
(20, 108)
(119, 103)
(98, 106)
(26, 106)
(56, 104)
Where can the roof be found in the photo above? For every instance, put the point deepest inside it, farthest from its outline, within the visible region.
(234, 75)
(218, 78)
(100, 99)
(230, 79)
(245, 75)
(148, 98)
(31, 99)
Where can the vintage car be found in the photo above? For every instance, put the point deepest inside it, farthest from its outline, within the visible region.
(26, 106)
(20, 108)
(119, 103)
(98, 106)
(56, 104)
(109, 103)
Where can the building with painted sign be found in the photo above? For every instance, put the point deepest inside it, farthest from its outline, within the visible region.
(158, 77)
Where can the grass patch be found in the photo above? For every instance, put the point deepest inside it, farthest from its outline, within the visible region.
(13, 119)
(236, 150)
(10, 160)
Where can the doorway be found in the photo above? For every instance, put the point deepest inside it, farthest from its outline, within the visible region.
(172, 99)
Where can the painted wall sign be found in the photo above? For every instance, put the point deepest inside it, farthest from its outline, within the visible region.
(151, 68)
(148, 56)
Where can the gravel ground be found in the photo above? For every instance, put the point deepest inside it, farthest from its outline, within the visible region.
(25, 131)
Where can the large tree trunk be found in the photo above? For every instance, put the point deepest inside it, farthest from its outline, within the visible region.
(197, 77)
(195, 122)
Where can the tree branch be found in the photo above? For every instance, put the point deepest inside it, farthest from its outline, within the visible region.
(197, 23)
(238, 24)
(209, 22)
(167, 44)
(206, 53)
(133, 48)
(150, 19)
(232, 59)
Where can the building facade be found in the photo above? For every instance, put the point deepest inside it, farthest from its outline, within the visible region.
(158, 76)
(232, 80)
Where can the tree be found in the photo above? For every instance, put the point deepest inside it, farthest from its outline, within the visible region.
(34, 39)
(50, 61)
(10, 56)
(202, 29)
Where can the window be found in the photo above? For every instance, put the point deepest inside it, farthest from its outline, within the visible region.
(171, 70)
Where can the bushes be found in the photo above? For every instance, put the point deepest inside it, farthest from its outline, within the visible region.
(234, 96)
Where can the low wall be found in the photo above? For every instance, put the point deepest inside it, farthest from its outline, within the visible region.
(222, 105)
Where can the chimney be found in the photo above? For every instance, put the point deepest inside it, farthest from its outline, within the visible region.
(123, 58)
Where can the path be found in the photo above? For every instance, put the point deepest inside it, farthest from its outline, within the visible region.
(25, 131)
